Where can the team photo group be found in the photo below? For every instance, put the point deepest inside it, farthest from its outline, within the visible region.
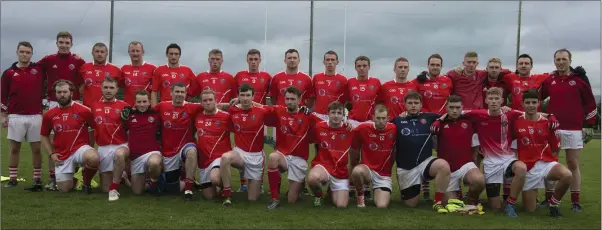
(490, 130)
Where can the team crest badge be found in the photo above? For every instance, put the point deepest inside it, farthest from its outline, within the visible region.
(33, 71)
(151, 119)
(71, 66)
(539, 131)
(253, 117)
(572, 83)
(184, 114)
(262, 80)
(181, 75)
(390, 136)
(107, 75)
(118, 111)
(443, 86)
(143, 73)
(338, 84)
(423, 121)
(299, 121)
(371, 87)
(464, 125)
(222, 81)
(75, 116)
(343, 136)
(217, 123)
(299, 82)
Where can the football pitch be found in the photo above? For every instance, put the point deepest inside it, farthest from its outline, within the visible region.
(24, 209)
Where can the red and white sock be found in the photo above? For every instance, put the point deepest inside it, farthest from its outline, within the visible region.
(575, 197)
(13, 172)
(511, 200)
(37, 173)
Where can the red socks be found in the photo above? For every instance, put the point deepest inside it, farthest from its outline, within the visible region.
(227, 192)
(51, 173)
(188, 184)
(439, 197)
(511, 200)
(243, 182)
(274, 181)
(114, 186)
(575, 197)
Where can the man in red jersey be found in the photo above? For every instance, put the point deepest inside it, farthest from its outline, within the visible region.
(167, 75)
(177, 140)
(329, 85)
(292, 127)
(144, 127)
(392, 92)
(260, 81)
(377, 144)
(330, 162)
(70, 147)
(137, 75)
(363, 91)
(62, 65)
(213, 140)
(523, 80)
(572, 101)
(291, 77)
(220, 82)
(454, 145)
(247, 155)
(22, 91)
(494, 79)
(110, 135)
(494, 128)
(538, 147)
(433, 87)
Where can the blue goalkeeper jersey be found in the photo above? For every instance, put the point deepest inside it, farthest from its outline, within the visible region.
(414, 141)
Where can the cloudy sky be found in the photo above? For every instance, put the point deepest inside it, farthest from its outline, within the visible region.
(382, 31)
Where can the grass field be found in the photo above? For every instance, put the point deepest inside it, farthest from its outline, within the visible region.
(24, 209)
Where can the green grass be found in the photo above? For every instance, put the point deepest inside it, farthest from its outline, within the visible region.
(23, 209)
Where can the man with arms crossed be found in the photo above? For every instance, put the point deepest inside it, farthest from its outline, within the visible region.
(213, 140)
(538, 148)
(377, 144)
(22, 91)
(454, 145)
(144, 127)
(414, 150)
(111, 138)
(70, 121)
(167, 75)
(572, 100)
(137, 75)
(330, 162)
(177, 140)
(62, 65)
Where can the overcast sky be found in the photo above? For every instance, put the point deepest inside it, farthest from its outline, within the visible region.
(382, 31)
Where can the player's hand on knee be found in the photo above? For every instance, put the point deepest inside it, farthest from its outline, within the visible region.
(55, 158)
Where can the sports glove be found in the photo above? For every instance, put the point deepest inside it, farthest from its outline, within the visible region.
(421, 78)
(125, 113)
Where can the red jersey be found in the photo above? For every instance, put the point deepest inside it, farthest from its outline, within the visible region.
(283, 80)
(134, 78)
(92, 76)
(571, 100)
(454, 142)
(164, 77)
(377, 146)
(335, 144)
(362, 94)
(469, 88)
(108, 126)
(329, 89)
(535, 141)
(22, 90)
(260, 82)
(144, 132)
(213, 136)
(248, 127)
(221, 83)
(392, 93)
(178, 126)
(435, 92)
(504, 85)
(70, 126)
(61, 66)
(495, 133)
(520, 84)
(292, 130)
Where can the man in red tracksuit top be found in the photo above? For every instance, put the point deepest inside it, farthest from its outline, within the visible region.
(571, 100)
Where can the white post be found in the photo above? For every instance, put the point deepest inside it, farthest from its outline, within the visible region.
(345, 40)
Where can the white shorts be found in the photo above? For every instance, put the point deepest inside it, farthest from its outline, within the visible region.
(536, 176)
(107, 156)
(514, 145)
(475, 140)
(296, 167)
(174, 162)
(24, 127)
(205, 173)
(252, 164)
(409, 178)
(495, 173)
(65, 171)
(570, 139)
(379, 181)
(139, 164)
(336, 184)
(457, 177)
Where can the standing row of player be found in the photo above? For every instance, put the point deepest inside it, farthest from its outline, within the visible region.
(362, 92)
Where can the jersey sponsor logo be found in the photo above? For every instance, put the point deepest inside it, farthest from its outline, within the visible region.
(394, 100)
(98, 120)
(88, 81)
(423, 121)
(33, 71)
(356, 97)
(373, 146)
(200, 132)
(128, 81)
(464, 125)
(71, 66)
(324, 145)
(166, 84)
(167, 124)
(406, 132)
(428, 94)
(525, 140)
(517, 90)
(237, 127)
(572, 83)
(283, 129)
(134, 120)
(322, 92)
(58, 128)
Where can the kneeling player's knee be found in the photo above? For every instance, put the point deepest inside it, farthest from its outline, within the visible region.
(226, 159)
(274, 157)
(519, 169)
(381, 204)
(191, 154)
(313, 179)
(216, 180)
(121, 154)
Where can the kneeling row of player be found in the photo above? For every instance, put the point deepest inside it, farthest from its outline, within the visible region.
(407, 140)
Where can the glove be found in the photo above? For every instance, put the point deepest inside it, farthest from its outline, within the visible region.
(421, 78)
(435, 126)
(554, 124)
(125, 113)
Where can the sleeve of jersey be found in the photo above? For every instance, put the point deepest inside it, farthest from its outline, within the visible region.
(4, 89)
(121, 79)
(274, 90)
(46, 125)
(88, 117)
(589, 103)
(271, 115)
(195, 87)
(309, 90)
(543, 89)
(554, 141)
(156, 81)
(356, 143)
(234, 86)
